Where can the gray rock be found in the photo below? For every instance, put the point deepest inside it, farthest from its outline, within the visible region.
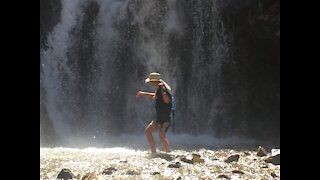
(155, 173)
(65, 174)
(232, 158)
(175, 165)
(184, 159)
(238, 172)
(132, 172)
(223, 176)
(273, 159)
(109, 170)
(261, 152)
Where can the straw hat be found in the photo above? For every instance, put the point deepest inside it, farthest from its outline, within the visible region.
(154, 76)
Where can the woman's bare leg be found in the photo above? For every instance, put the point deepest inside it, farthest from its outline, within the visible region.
(148, 131)
(164, 141)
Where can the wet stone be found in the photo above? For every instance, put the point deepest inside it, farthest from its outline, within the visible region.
(223, 176)
(175, 165)
(261, 152)
(237, 172)
(232, 158)
(155, 173)
(65, 174)
(184, 159)
(132, 172)
(109, 170)
(274, 159)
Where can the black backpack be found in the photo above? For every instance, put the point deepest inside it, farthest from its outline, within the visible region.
(173, 110)
(173, 107)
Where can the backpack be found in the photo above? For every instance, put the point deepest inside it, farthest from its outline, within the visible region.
(173, 110)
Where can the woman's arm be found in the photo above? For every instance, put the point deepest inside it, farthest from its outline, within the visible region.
(148, 94)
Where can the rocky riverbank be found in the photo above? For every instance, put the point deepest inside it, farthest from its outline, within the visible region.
(123, 163)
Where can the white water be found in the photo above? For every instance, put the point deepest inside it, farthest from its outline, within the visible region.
(151, 53)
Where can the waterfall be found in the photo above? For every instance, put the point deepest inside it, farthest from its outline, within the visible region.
(101, 51)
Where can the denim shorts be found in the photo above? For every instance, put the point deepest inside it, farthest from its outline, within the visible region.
(162, 126)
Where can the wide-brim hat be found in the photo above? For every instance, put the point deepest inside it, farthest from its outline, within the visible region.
(154, 76)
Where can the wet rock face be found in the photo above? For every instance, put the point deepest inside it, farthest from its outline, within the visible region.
(255, 29)
(49, 17)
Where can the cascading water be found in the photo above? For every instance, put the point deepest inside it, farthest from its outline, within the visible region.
(101, 51)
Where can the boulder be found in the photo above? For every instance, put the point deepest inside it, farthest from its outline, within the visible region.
(175, 165)
(197, 158)
(109, 170)
(223, 176)
(133, 172)
(232, 158)
(261, 152)
(184, 159)
(273, 159)
(65, 174)
(238, 172)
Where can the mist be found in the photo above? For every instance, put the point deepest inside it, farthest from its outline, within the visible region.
(99, 52)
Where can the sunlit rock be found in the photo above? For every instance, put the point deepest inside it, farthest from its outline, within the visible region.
(106, 162)
(275, 152)
(261, 152)
(196, 158)
(264, 165)
(91, 176)
(274, 175)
